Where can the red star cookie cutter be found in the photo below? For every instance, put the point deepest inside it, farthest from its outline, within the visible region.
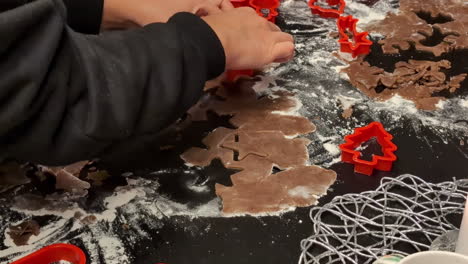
(328, 12)
(359, 44)
(264, 8)
(53, 254)
(349, 154)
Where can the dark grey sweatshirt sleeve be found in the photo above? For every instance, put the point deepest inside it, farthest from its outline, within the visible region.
(66, 96)
(84, 16)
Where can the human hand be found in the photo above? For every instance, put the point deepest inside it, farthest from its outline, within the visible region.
(128, 13)
(250, 41)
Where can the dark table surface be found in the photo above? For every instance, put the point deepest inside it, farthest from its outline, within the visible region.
(429, 147)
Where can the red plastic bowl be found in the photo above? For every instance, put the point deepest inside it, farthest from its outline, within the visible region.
(55, 253)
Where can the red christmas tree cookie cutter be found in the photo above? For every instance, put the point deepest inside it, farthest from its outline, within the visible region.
(328, 12)
(361, 45)
(349, 154)
(55, 253)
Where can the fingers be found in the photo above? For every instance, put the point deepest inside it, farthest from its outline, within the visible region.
(208, 10)
(282, 37)
(226, 5)
(273, 27)
(283, 51)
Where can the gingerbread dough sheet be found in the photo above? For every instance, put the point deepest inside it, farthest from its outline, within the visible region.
(263, 140)
(420, 21)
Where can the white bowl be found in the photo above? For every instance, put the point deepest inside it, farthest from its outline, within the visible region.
(435, 257)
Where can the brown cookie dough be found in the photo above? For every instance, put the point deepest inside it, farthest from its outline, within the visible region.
(252, 169)
(401, 30)
(67, 178)
(272, 145)
(12, 174)
(347, 113)
(435, 26)
(414, 80)
(299, 186)
(289, 125)
(22, 232)
(259, 144)
(203, 157)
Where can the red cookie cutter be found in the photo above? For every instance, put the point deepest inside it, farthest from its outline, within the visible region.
(349, 154)
(53, 254)
(328, 12)
(264, 8)
(361, 44)
(232, 76)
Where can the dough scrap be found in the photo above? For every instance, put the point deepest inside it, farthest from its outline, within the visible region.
(21, 233)
(67, 178)
(12, 174)
(414, 80)
(418, 22)
(439, 27)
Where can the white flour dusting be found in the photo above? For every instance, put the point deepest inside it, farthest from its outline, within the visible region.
(366, 14)
(113, 248)
(301, 192)
(332, 149)
(463, 103)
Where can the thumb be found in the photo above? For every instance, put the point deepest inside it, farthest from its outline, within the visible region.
(282, 51)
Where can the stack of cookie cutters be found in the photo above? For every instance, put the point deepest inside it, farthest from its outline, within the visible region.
(349, 154)
(357, 43)
(54, 254)
(264, 8)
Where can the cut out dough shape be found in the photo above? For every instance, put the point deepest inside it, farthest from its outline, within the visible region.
(272, 145)
(203, 157)
(299, 186)
(253, 169)
(289, 125)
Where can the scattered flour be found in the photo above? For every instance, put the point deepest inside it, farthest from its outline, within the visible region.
(347, 102)
(113, 249)
(463, 103)
(441, 104)
(291, 112)
(301, 192)
(332, 149)
(198, 188)
(366, 14)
